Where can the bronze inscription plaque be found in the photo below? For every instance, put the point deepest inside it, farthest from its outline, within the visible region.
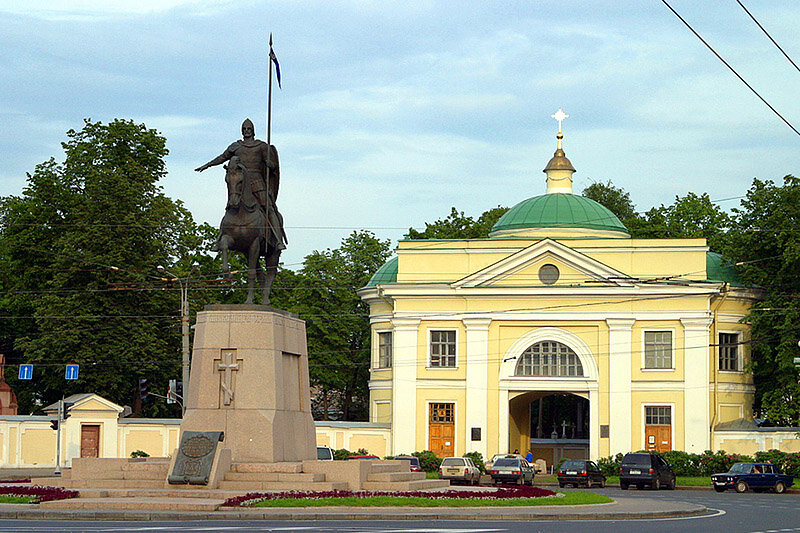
(195, 457)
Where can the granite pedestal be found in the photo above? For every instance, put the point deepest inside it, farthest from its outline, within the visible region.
(249, 379)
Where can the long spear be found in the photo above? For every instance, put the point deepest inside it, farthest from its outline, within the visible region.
(272, 59)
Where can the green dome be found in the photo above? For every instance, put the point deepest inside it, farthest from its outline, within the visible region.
(387, 273)
(720, 270)
(559, 210)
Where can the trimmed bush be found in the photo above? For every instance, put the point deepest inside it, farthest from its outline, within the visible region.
(477, 458)
(428, 460)
(610, 465)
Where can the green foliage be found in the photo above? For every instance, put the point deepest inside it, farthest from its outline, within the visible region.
(477, 458)
(459, 226)
(428, 461)
(341, 454)
(139, 453)
(683, 463)
(78, 253)
(323, 293)
(789, 463)
(765, 239)
(615, 199)
(610, 465)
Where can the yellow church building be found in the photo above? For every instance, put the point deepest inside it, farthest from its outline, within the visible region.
(558, 333)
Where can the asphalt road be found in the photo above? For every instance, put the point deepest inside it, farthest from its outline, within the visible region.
(731, 513)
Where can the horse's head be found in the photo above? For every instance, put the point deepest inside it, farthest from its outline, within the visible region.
(234, 178)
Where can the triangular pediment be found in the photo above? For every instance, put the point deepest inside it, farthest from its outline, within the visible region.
(86, 402)
(523, 268)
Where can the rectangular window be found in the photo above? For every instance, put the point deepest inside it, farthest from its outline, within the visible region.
(729, 352)
(442, 413)
(658, 416)
(658, 349)
(385, 349)
(443, 349)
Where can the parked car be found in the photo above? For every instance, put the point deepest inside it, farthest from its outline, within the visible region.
(413, 462)
(756, 476)
(645, 469)
(363, 457)
(460, 469)
(324, 453)
(512, 469)
(497, 456)
(580, 473)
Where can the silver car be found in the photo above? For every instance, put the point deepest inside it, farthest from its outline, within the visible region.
(512, 470)
(460, 469)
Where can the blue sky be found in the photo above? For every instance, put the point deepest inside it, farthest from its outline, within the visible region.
(390, 114)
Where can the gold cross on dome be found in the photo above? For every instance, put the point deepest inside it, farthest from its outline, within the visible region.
(560, 116)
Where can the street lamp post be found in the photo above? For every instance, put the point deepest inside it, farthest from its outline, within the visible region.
(184, 287)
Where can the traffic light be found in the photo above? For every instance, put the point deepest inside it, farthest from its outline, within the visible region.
(179, 390)
(171, 390)
(65, 413)
(143, 389)
(54, 424)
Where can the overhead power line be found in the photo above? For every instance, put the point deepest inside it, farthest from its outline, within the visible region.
(730, 67)
(770, 36)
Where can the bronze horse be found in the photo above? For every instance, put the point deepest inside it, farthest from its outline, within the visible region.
(244, 228)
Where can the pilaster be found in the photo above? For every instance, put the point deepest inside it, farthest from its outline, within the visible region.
(619, 384)
(696, 382)
(477, 384)
(404, 385)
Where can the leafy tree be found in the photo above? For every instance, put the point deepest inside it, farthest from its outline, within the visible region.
(764, 237)
(337, 321)
(459, 226)
(615, 199)
(78, 256)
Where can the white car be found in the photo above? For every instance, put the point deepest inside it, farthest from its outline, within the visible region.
(324, 453)
(497, 456)
(460, 469)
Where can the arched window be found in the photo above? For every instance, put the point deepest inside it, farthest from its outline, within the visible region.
(549, 359)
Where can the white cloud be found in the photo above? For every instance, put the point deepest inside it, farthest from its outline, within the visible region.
(100, 9)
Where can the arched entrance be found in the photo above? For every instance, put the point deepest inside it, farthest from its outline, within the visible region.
(553, 425)
(549, 392)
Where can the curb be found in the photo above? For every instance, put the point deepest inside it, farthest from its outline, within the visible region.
(21, 512)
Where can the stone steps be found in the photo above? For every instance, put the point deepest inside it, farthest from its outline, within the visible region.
(275, 476)
(251, 486)
(422, 484)
(267, 467)
(391, 477)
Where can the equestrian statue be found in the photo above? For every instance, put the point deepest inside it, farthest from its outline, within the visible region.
(252, 223)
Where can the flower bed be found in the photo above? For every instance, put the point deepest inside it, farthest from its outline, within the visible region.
(41, 494)
(499, 494)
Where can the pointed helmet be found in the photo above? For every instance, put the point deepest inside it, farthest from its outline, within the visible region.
(248, 123)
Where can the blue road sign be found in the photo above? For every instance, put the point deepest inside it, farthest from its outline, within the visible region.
(72, 372)
(25, 371)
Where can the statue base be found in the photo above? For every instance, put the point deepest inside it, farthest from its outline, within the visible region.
(249, 379)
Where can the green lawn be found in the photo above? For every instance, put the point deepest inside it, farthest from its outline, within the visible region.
(682, 481)
(5, 498)
(569, 498)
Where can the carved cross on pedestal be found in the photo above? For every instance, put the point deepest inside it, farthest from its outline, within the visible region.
(228, 364)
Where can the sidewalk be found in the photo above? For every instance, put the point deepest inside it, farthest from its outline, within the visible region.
(622, 509)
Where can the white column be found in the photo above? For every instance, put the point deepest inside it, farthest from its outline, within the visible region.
(404, 385)
(696, 379)
(594, 424)
(502, 421)
(477, 393)
(619, 384)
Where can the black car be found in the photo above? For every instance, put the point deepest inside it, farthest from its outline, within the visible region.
(580, 473)
(645, 469)
(756, 476)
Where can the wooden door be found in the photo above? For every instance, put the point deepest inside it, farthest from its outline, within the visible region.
(442, 429)
(658, 438)
(90, 441)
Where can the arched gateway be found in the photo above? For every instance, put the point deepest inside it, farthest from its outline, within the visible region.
(547, 386)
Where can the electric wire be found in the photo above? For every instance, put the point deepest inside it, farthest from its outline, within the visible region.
(731, 68)
(769, 36)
